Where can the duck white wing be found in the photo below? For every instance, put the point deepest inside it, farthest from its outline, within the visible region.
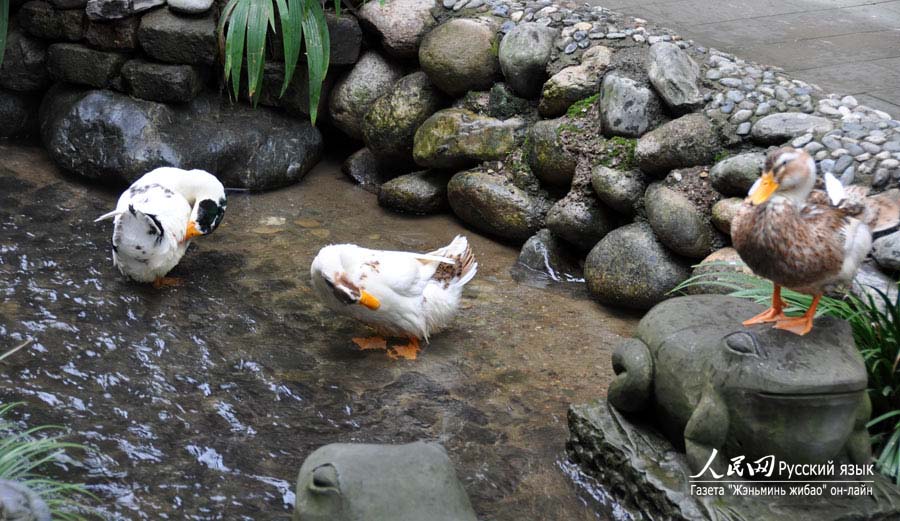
(399, 272)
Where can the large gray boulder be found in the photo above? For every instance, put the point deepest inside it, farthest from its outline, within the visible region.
(419, 193)
(575, 82)
(399, 24)
(735, 175)
(81, 65)
(675, 76)
(354, 93)
(547, 157)
(357, 482)
(460, 55)
(628, 108)
(579, 218)
(458, 138)
(170, 38)
(775, 129)
(621, 190)
(524, 54)
(24, 66)
(687, 141)
(18, 112)
(679, 223)
(492, 204)
(391, 122)
(631, 268)
(104, 135)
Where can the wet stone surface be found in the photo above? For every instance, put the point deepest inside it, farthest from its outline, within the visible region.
(201, 401)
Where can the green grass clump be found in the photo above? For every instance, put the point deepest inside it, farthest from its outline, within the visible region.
(875, 321)
(581, 107)
(721, 156)
(25, 455)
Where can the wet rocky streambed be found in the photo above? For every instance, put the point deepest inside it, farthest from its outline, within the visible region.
(201, 401)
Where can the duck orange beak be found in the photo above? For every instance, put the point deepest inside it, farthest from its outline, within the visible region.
(369, 301)
(191, 231)
(763, 189)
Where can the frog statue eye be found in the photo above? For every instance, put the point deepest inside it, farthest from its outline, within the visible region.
(744, 343)
(325, 480)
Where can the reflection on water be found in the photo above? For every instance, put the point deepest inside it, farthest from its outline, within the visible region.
(201, 401)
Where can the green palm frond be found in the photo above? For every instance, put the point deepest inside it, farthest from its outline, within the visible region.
(318, 52)
(4, 26)
(248, 24)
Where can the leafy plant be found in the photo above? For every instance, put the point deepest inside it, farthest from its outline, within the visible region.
(4, 26)
(23, 456)
(875, 321)
(302, 23)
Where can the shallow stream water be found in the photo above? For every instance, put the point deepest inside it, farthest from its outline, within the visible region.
(201, 401)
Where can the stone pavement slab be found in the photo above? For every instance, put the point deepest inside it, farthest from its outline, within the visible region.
(844, 46)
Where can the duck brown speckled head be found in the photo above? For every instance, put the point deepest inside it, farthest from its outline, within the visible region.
(789, 172)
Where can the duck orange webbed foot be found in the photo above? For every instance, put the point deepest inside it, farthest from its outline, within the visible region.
(769, 315)
(167, 282)
(773, 314)
(372, 342)
(796, 325)
(406, 351)
(803, 324)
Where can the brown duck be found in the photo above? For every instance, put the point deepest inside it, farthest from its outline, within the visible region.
(805, 239)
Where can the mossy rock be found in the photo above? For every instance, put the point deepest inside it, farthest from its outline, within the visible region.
(461, 55)
(679, 223)
(458, 138)
(620, 190)
(491, 203)
(419, 193)
(548, 159)
(631, 268)
(391, 122)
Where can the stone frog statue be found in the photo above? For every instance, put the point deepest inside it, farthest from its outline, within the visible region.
(710, 383)
(359, 482)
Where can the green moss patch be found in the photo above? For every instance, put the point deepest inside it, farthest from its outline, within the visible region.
(619, 153)
(581, 107)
